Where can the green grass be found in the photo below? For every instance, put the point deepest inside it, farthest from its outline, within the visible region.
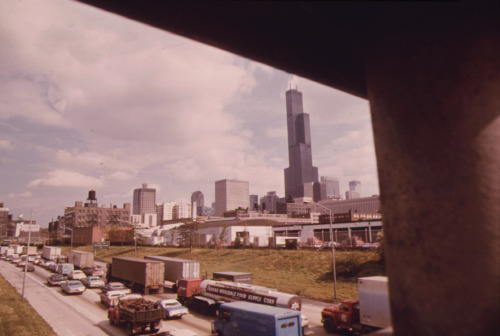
(17, 317)
(302, 272)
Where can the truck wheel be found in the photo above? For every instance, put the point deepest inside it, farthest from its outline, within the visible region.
(204, 308)
(329, 325)
(152, 327)
(130, 329)
(111, 321)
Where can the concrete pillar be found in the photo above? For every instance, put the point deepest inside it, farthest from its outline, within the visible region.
(435, 101)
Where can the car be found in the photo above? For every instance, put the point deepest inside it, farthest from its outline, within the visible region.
(16, 260)
(113, 286)
(76, 275)
(30, 267)
(93, 282)
(110, 298)
(56, 279)
(22, 263)
(328, 245)
(93, 271)
(52, 267)
(73, 287)
(172, 308)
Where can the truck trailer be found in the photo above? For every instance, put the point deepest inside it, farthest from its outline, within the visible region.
(142, 275)
(250, 319)
(81, 259)
(369, 313)
(206, 296)
(51, 252)
(29, 250)
(177, 269)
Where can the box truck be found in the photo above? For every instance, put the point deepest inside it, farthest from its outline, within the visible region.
(369, 313)
(81, 259)
(51, 252)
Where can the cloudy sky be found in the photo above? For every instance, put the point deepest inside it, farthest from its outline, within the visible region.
(90, 100)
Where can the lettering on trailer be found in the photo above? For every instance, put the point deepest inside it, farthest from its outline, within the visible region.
(242, 295)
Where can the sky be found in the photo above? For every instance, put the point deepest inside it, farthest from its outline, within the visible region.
(93, 101)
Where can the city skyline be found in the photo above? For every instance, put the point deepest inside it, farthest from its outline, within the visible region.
(93, 101)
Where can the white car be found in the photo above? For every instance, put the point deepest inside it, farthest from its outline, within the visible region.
(93, 282)
(73, 287)
(76, 275)
(172, 308)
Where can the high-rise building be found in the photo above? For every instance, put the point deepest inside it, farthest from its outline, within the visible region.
(269, 201)
(354, 190)
(198, 202)
(254, 202)
(199, 198)
(231, 195)
(300, 170)
(144, 200)
(332, 187)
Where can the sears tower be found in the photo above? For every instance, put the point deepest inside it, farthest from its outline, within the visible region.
(300, 175)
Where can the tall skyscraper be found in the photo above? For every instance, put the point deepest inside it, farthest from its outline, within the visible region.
(198, 202)
(144, 200)
(354, 190)
(199, 198)
(231, 195)
(300, 170)
(332, 187)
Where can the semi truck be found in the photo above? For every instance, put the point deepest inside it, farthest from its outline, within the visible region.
(51, 252)
(250, 319)
(137, 314)
(142, 275)
(177, 269)
(369, 313)
(81, 259)
(206, 296)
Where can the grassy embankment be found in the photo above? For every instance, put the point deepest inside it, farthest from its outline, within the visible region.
(303, 272)
(17, 317)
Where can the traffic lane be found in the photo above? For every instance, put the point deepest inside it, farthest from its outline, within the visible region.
(90, 300)
(60, 314)
(202, 324)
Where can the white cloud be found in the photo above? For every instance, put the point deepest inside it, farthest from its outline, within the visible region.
(25, 194)
(62, 178)
(6, 144)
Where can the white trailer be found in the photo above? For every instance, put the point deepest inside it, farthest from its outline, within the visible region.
(51, 252)
(177, 269)
(81, 259)
(374, 302)
(29, 250)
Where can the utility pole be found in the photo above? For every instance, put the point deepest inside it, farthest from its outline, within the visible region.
(27, 256)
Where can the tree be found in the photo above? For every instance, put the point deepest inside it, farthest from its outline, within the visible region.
(188, 232)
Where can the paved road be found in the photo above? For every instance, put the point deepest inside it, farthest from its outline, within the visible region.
(83, 315)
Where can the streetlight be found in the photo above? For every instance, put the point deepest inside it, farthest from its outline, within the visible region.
(27, 256)
(333, 250)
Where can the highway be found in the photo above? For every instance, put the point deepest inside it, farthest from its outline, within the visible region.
(84, 315)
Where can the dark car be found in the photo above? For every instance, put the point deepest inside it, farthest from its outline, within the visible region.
(113, 286)
(30, 267)
(56, 279)
(93, 271)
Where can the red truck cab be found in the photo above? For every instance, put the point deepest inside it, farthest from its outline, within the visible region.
(188, 288)
(342, 316)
